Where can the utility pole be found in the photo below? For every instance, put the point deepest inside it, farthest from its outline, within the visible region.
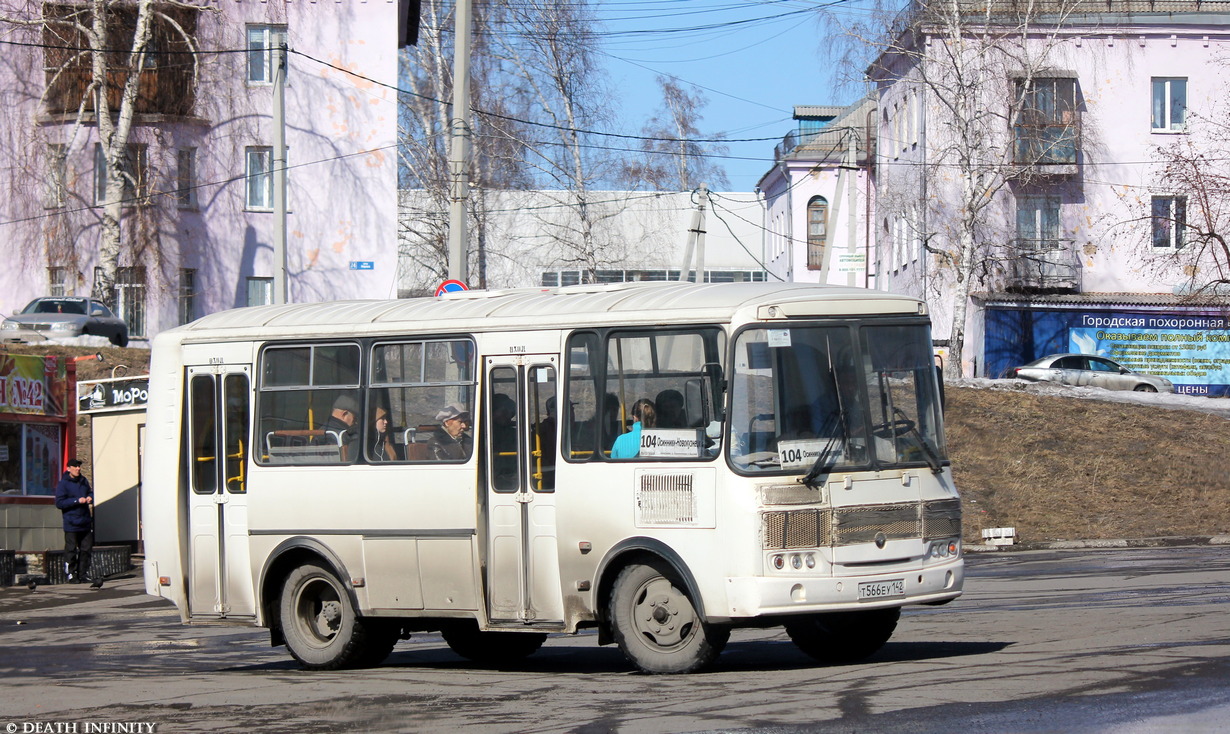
(278, 164)
(696, 238)
(459, 147)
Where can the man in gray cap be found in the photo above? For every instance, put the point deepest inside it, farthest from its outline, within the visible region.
(450, 442)
(341, 422)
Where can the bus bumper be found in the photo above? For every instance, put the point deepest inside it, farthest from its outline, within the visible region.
(760, 596)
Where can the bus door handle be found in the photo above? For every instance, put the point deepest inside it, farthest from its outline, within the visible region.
(220, 498)
(524, 497)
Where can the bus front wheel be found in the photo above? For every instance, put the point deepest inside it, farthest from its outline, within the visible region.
(844, 637)
(319, 623)
(657, 625)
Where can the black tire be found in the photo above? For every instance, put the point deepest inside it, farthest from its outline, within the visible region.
(844, 637)
(491, 648)
(319, 623)
(1144, 388)
(656, 623)
(382, 637)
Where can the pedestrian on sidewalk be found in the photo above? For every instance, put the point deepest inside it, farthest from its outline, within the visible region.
(75, 499)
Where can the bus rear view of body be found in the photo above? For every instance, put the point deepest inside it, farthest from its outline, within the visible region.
(662, 462)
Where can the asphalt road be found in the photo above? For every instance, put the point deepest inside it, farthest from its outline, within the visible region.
(1043, 641)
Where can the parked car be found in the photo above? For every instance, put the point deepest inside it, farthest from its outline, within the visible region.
(1085, 369)
(69, 316)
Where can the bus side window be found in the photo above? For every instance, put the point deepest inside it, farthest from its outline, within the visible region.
(582, 419)
(309, 407)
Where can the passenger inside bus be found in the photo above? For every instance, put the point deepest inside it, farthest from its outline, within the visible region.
(628, 446)
(341, 423)
(380, 442)
(451, 442)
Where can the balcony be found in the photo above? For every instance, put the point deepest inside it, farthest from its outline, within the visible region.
(1048, 146)
(1044, 266)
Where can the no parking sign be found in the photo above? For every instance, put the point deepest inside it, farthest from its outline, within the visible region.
(451, 286)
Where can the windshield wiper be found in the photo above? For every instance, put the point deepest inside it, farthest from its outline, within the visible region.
(933, 459)
(824, 464)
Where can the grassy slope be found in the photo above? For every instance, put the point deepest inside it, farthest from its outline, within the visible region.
(1065, 468)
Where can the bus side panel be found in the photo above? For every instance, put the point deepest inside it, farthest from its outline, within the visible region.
(164, 521)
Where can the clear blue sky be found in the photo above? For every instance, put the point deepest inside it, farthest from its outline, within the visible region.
(754, 60)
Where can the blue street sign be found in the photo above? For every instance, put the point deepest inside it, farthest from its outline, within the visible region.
(362, 265)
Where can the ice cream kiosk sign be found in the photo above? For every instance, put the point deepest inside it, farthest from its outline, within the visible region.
(32, 385)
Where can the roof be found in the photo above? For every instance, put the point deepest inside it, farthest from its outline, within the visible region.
(1166, 300)
(535, 308)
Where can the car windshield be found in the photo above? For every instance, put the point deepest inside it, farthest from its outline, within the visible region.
(821, 398)
(56, 305)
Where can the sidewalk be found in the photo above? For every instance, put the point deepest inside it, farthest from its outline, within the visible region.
(1165, 542)
(15, 600)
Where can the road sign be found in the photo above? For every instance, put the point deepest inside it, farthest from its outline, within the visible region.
(451, 286)
(362, 265)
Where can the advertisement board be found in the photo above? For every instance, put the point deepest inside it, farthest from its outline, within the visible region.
(32, 385)
(1191, 349)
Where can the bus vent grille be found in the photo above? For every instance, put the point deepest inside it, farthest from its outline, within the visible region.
(862, 524)
(942, 519)
(665, 499)
(798, 529)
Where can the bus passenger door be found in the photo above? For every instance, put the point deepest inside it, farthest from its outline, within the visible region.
(220, 576)
(520, 426)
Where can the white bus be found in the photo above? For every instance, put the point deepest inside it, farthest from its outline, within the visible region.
(346, 474)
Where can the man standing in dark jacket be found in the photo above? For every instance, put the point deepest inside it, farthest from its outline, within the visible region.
(75, 498)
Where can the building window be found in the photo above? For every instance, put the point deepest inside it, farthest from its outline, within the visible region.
(134, 167)
(262, 40)
(1169, 104)
(1047, 129)
(259, 174)
(817, 232)
(187, 295)
(55, 192)
(260, 291)
(57, 282)
(130, 299)
(185, 178)
(1037, 223)
(1169, 221)
(258, 168)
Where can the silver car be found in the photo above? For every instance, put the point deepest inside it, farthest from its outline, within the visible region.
(68, 316)
(1085, 369)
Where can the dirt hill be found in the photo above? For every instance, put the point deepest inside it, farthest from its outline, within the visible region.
(1053, 467)
(1062, 468)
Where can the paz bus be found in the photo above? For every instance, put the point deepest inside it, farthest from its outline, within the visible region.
(347, 474)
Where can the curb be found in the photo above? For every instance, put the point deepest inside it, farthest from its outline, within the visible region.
(1096, 543)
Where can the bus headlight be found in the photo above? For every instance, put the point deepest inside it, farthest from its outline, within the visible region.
(796, 561)
(779, 562)
(949, 548)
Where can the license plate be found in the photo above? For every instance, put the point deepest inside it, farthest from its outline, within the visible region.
(881, 589)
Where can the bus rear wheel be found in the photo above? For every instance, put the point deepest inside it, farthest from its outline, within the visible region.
(844, 637)
(491, 648)
(319, 623)
(657, 625)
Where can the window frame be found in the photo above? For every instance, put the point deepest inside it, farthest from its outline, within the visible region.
(261, 52)
(1174, 231)
(55, 191)
(185, 178)
(1162, 107)
(817, 244)
(136, 175)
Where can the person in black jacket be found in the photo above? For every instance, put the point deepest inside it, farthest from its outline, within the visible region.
(75, 498)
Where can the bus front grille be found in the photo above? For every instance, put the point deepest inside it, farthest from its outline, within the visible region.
(852, 525)
(942, 519)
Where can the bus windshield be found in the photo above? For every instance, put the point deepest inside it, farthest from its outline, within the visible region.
(820, 398)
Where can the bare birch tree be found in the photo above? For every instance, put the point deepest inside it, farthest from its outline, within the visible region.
(973, 68)
(672, 160)
(99, 67)
(1189, 222)
(548, 48)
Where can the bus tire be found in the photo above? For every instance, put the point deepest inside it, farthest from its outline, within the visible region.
(320, 625)
(656, 624)
(491, 648)
(844, 637)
